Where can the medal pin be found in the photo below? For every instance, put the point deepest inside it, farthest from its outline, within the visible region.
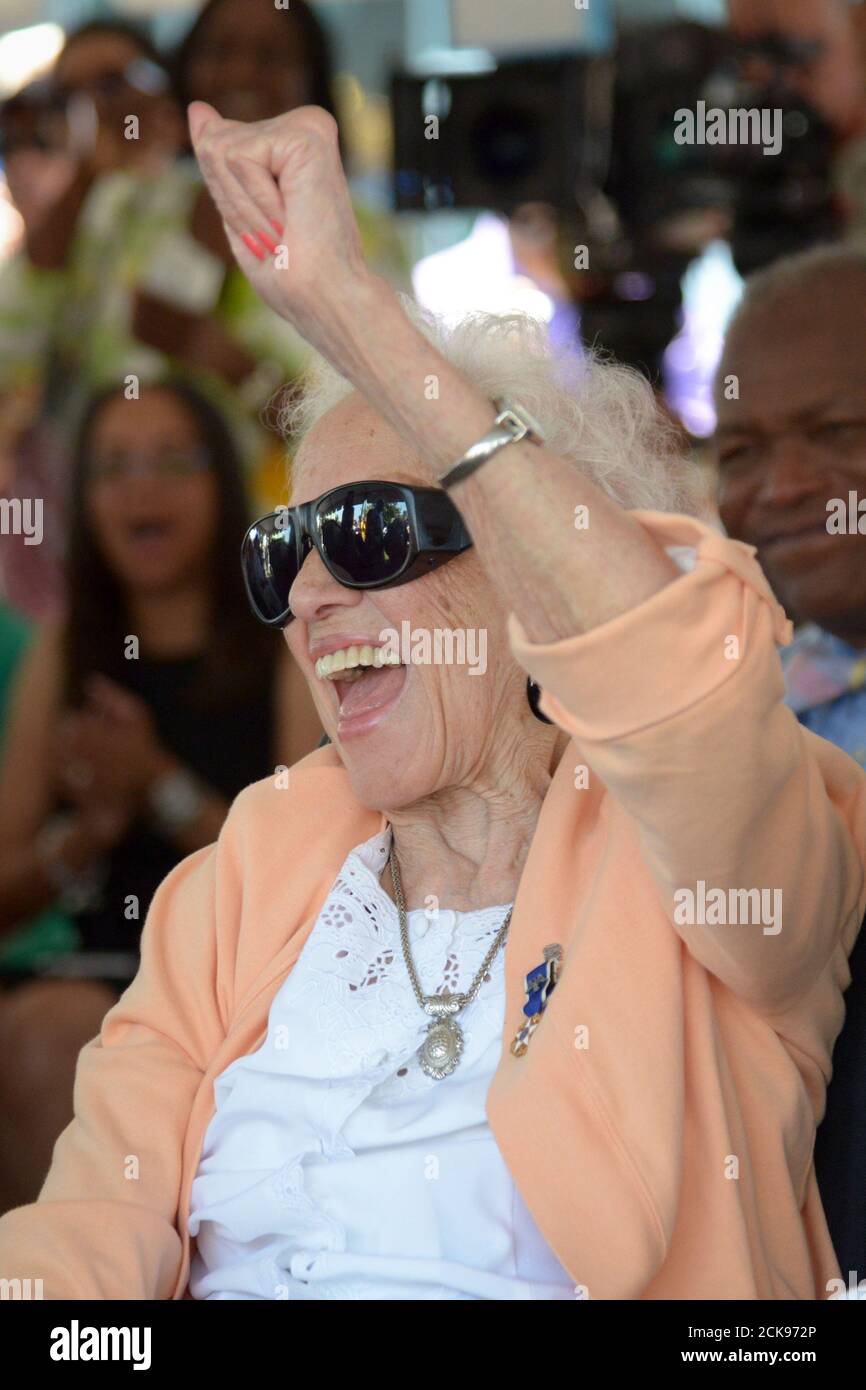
(539, 985)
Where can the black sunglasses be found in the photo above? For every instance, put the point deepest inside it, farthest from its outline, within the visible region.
(370, 535)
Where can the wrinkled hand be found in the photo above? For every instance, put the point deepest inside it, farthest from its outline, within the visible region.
(282, 180)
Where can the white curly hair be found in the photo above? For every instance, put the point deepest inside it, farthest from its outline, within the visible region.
(601, 415)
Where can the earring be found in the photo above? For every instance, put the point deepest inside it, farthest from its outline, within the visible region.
(533, 695)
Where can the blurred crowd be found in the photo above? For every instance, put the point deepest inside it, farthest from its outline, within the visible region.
(140, 383)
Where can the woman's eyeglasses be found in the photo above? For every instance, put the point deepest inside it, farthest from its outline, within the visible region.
(370, 535)
(139, 76)
(167, 465)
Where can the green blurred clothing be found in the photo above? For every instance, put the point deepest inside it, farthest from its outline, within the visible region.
(51, 933)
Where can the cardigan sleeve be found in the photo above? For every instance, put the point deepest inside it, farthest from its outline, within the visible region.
(104, 1224)
(677, 706)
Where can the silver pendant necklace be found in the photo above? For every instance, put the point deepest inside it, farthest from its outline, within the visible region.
(441, 1049)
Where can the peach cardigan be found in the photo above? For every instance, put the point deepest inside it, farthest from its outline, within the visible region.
(661, 1125)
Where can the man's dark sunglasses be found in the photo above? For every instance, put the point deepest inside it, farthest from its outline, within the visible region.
(370, 535)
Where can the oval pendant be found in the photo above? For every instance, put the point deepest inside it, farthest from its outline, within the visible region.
(440, 1051)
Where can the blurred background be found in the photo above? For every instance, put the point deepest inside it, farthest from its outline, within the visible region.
(501, 156)
(500, 159)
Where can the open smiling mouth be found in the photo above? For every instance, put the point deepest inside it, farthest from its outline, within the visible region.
(368, 682)
(808, 533)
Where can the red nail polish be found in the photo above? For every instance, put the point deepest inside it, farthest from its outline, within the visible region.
(266, 241)
(251, 243)
(277, 226)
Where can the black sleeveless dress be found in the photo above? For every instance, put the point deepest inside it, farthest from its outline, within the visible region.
(226, 746)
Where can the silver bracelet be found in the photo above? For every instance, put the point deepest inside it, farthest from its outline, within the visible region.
(512, 423)
(175, 801)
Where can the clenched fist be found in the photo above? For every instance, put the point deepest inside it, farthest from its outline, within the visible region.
(280, 188)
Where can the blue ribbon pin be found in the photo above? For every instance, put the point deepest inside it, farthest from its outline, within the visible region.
(539, 986)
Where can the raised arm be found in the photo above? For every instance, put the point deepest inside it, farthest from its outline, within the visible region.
(520, 509)
(670, 681)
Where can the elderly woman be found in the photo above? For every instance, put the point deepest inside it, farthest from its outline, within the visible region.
(528, 989)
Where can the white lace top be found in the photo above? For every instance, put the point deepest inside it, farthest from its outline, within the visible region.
(334, 1168)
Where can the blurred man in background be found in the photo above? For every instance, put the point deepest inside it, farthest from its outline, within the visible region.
(791, 442)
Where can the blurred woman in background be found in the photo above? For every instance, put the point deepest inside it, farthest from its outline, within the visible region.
(134, 722)
(64, 141)
(106, 71)
(152, 280)
(258, 61)
(131, 265)
(36, 169)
